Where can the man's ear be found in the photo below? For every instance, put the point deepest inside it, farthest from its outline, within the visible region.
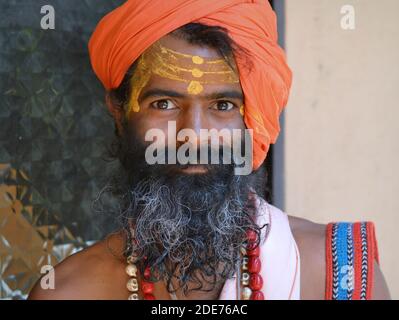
(116, 111)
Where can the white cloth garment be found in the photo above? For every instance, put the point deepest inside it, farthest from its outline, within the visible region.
(279, 254)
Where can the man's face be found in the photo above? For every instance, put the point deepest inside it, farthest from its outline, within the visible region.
(195, 216)
(189, 85)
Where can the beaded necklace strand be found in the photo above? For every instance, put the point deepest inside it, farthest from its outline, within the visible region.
(251, 280)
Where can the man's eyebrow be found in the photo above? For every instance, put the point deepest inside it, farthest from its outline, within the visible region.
(156, 92)
(232, 94)
(161, 93)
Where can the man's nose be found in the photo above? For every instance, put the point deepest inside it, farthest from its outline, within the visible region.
(193, 118)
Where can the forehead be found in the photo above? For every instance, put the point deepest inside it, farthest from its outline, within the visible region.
(174, 62)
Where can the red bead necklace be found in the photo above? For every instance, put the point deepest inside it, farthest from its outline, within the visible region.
(251, 279)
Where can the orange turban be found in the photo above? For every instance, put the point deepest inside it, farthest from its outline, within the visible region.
(126, 32)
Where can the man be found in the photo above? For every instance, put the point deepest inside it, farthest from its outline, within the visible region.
(194, 226)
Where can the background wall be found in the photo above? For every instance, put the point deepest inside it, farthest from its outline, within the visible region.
(54, 131)
(341, 124)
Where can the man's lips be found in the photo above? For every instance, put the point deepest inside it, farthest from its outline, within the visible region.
(193, 169)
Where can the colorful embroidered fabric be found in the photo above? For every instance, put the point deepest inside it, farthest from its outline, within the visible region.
(351, 249)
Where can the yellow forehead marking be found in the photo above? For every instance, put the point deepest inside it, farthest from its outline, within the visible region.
(195, 88)
(178, 66)
(197, 73)
(197, 60)
(215, 67)
(167, 63)
(139, 79)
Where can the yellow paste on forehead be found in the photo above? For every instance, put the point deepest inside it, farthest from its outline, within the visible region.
(167, 63)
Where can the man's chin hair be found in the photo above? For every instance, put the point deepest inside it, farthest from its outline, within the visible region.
(186, 225)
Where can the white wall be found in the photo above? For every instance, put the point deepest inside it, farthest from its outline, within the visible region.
(341, 123)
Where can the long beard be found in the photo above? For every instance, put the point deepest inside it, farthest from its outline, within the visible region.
(188, 226)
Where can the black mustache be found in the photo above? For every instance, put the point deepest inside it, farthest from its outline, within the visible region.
(198, 155)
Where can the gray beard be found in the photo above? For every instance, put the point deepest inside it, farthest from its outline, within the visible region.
(188, 229)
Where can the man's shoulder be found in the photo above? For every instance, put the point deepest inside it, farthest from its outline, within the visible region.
(96, 272)
(306, 231)
(311, 241)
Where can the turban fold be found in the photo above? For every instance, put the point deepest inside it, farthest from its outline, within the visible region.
(126, 32)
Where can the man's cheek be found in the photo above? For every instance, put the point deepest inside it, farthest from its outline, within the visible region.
(140, 123)
(156, 146)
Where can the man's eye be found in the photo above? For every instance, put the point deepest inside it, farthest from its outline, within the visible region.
(163, 105)
(223, 106)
